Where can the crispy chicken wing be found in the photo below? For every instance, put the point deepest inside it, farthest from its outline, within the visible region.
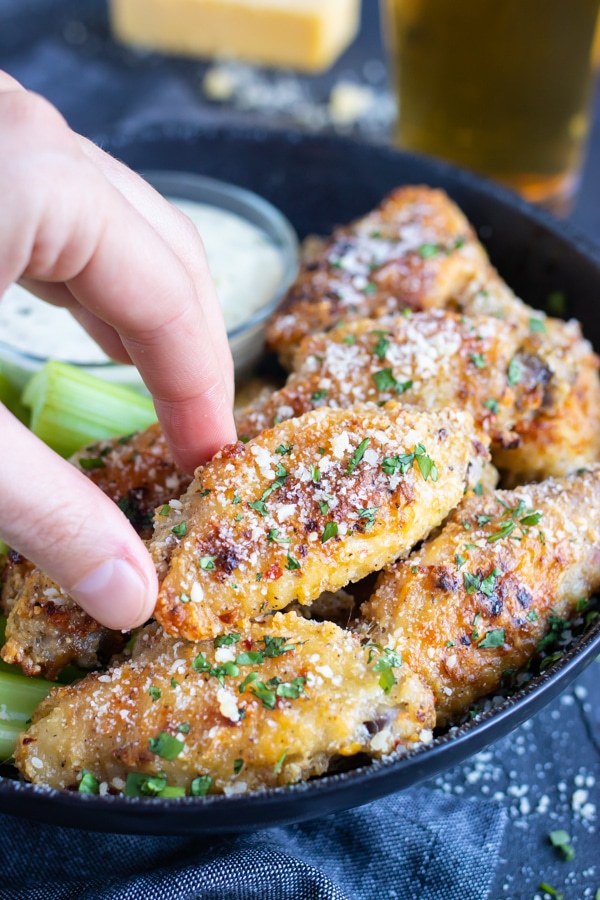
(308, 506)
(46, 630)
(430, 359)
(564, 435)
(475, 600)
(272, 706)
(415, 250)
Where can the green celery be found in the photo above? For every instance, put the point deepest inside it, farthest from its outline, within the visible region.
(10, 396)
(19, 696)
(71, 408)
(9, 733)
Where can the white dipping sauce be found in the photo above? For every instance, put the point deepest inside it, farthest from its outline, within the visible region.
(245, 265)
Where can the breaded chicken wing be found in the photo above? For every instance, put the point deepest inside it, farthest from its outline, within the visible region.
(415, 250)
(272, 706)
(564, 435)
(475, 600)
(46, 630)
(308, 506)
(429, 359)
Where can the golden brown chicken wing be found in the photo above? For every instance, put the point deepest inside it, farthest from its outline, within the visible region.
(306, 507)
(415, 250)
(475, 600)
(272, 706)
(46, 630)
(429, 360)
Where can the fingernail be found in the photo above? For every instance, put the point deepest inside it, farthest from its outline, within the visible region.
(115, 594)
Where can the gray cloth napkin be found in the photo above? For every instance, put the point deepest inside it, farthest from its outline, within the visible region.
(418, 845)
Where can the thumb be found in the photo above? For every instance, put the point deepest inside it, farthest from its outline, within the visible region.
(58, 519)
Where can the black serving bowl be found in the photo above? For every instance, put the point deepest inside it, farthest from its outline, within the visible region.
(318, 182)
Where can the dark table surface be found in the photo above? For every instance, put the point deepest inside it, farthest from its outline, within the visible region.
(546, 774)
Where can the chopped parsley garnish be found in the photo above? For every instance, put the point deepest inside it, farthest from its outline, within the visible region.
(357, 456)
(276, 646)
(165, 745)
(284, 449)
(92, 462)
(291, 689)
(155, 692)
(405, 462)
(206, 562)
(369, 515)
(493, 638)
(382, 345)
(478, 489)
(89, 784)
(478, 360)
(323, 507)
(184, 598)
(532, 615)
(200, 786)
(238, 765)
(292, 563)
(252, 676)
(140, 785)
(349, 339)
(208, 491)
(330, 530)
(516, 518)
(488, 583)
(459, 560)
(259, 505)
(582, 604)
(267, 697)
(226, 640)
(369, 288)
(428, 250)
(236, 498)
(164, 510)
(562, 841)
(279, 764)
(387, 661)
(537, 325)
(273, 537)
(250, 658)
(472, 582)
(318, 395)
(184, 728)
(180, 530)
(315, 474)
(515, 371)
(385, 381)
(483, 520)
(491, 404)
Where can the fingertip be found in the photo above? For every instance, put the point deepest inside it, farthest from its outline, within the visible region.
(118, 593)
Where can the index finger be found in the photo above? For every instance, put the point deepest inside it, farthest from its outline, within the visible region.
(69, 224)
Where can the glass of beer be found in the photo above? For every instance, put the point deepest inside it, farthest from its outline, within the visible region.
(502, 87)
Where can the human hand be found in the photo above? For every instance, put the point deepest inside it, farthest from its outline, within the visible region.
(82, 231)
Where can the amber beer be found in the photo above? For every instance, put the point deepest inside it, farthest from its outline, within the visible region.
(500, 86)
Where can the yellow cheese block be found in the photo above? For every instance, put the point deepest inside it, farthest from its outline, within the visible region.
(300, 34)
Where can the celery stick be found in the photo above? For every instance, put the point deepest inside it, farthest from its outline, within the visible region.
(19, 696)
(10, 396)
(5, 667)
(71, 408)
(9, 732)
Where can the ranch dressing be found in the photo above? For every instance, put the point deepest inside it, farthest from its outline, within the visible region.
(245, 265)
